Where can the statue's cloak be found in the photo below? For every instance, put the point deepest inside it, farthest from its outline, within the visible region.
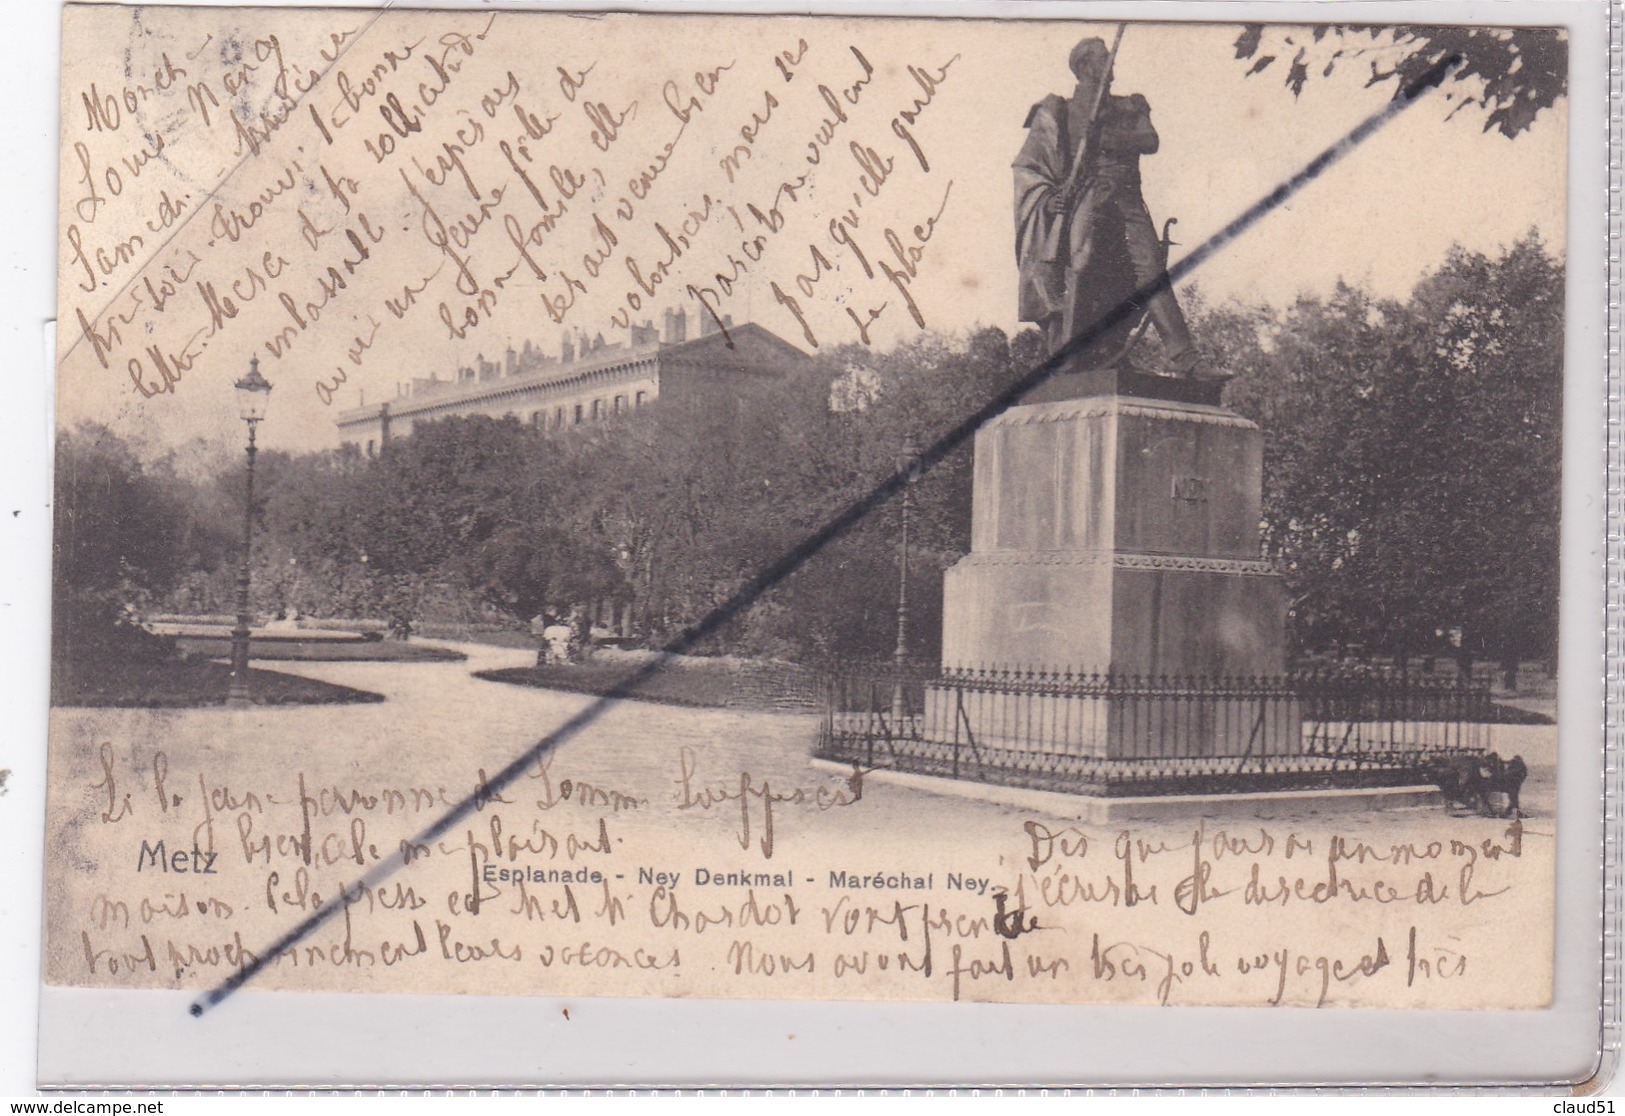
(1040, 172)
(1043, 253)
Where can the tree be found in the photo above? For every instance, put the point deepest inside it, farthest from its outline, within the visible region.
(124, 533)
(1511, 73)
(1412, 457)
(843, 602)
(1487, 346)
(487, 505)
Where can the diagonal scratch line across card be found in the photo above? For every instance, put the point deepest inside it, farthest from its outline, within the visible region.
(795, 558)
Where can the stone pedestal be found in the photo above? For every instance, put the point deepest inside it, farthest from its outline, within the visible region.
(1115, 534)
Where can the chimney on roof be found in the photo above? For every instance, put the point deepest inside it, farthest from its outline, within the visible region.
(676, 330)
(567, 352)
(511, 362)
(708, 324)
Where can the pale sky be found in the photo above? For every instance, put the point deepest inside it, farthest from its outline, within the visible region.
(1379, 219)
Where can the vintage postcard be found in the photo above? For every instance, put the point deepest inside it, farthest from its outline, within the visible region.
(676, 505)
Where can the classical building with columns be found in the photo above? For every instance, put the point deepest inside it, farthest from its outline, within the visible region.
(590, 380)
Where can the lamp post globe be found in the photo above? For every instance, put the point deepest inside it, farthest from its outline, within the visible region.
(253, 395)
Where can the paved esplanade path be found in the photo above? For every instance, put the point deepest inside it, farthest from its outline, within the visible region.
(440, 727)
(439, 720)
(296, 800)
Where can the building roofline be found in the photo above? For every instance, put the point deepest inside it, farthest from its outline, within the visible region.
(458, 395)
(644, 358)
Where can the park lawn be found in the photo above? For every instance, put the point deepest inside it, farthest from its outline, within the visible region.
(324, 650)
(683, 682)
(512, 638)
(188, 684)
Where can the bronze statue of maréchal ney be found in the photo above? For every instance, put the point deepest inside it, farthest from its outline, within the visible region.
(1085, 241)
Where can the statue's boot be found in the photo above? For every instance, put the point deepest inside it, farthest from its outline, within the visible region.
(1187, 364)
(1181, 352)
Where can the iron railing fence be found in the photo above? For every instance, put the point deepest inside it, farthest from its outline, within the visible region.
(1133, 734)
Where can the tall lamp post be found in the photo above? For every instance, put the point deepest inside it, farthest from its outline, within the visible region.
(905, 462)
(253, 393)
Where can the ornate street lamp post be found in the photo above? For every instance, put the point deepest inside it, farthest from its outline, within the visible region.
(253, 393)
(905, 461)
